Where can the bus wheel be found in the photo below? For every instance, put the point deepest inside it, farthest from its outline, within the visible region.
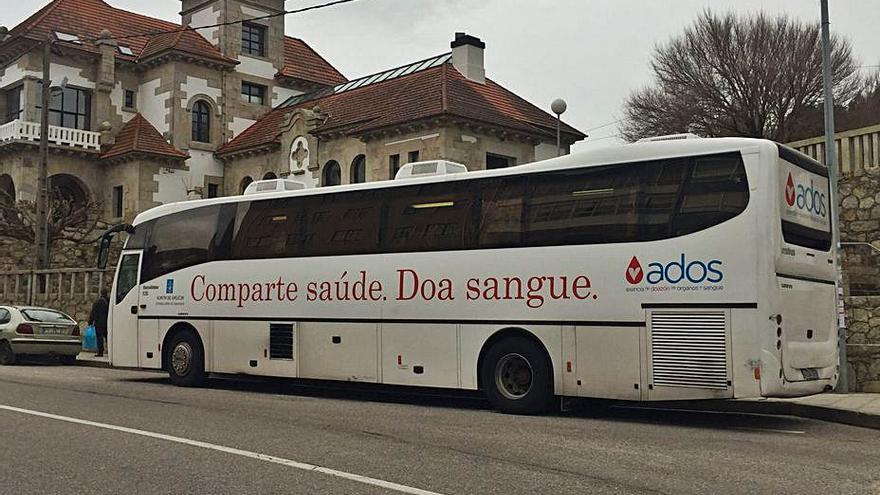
(7, 357)
(186, 360)
(517, 377)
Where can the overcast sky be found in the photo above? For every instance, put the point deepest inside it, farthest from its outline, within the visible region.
(590, 52)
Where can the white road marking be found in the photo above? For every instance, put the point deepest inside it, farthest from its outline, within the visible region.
(230, 450)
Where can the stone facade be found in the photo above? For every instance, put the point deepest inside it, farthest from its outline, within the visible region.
(447, 142)
(859, 201)
(863, 341)
(860, 223)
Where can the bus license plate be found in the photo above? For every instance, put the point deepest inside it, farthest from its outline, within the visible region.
(810, 373)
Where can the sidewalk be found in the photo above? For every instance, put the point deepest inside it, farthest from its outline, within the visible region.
(89, 359)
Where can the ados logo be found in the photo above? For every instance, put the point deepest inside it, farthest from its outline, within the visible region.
(806, 198)
(673, 272)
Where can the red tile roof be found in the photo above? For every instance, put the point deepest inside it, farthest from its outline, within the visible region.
(187, 41)
(139, 136)
(87, 18)
(434, 92)
(266, 131)
(302, 62)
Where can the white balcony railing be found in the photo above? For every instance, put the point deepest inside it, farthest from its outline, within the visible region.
(21, 130)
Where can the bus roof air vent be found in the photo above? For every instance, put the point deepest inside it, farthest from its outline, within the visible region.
(429, 168)
(669, 137)
(273, 185)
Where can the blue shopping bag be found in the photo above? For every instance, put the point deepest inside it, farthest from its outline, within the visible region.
(90, 339)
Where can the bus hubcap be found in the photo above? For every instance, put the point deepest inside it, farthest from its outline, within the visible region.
(181, 358)
(513, 376)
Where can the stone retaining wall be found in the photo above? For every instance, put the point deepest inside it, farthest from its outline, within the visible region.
(860, 222)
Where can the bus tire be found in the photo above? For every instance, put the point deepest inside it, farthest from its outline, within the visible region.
(186, 360)
(517, 377)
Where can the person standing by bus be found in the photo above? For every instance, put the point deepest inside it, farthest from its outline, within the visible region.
(98, 318)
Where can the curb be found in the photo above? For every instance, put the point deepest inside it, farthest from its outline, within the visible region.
(783, 408)
(92, 363)
(843, 416)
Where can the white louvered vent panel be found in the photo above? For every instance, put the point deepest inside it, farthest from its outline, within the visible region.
(689, 349)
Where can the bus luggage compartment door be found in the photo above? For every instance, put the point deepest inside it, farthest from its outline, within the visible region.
(689, 354)
(609, 362)
(809, 330)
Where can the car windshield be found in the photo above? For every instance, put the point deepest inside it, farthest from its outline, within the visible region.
(46, 316)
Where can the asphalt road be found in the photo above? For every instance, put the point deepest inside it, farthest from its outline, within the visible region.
(93, 430)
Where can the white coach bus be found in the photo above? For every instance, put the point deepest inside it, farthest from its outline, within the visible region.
(667, 270)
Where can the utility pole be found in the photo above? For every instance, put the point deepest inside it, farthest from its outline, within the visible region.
(41, 229)
(831, 163)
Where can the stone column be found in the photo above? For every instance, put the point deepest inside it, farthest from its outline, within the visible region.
(106, 75)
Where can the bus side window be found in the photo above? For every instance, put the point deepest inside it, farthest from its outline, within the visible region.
(343, 223)
(500, 220)
(180, 240)
(268, 229)
(716, 190)
(583, 206)
(431, 217)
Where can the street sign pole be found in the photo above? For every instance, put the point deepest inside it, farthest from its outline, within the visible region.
(831, 163)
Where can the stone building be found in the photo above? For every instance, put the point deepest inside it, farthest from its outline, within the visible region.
(442, 107)
(858, 152)
(140, 119)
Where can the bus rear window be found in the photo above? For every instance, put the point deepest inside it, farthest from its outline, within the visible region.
(805, 206)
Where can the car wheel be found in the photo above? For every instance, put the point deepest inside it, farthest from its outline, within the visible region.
(7, 357)
(517, 377)
(186, 360)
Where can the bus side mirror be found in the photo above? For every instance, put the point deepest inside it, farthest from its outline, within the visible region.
(103, 252)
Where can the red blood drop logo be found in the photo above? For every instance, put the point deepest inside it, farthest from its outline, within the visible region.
(789, 190)
(634, 272)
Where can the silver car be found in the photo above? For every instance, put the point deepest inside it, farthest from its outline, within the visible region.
(31, 331)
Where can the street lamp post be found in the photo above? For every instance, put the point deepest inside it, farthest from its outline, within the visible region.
(831, 163)
(558, 106)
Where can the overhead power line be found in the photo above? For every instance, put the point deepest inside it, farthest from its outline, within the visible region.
(604, 125)
(229, 23)
(602, 138)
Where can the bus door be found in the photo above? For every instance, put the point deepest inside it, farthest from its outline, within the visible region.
(124, 309)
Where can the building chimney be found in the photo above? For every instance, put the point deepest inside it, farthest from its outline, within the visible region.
(467, 57)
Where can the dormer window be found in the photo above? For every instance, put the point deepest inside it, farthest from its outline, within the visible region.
(70, 38)
(253, 39)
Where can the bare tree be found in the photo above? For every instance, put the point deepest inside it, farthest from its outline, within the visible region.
(76, 222)
(755, 76)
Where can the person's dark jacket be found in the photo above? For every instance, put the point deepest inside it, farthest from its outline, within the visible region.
(98, 316)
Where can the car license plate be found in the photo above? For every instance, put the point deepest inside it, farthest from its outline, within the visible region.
(54, 331)
(810, 373)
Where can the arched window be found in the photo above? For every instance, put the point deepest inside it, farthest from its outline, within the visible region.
(359, 169)
(246, 181)
(68, 196)
(332, 175)
(7, 190)
(201, 122)
(269, 176)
